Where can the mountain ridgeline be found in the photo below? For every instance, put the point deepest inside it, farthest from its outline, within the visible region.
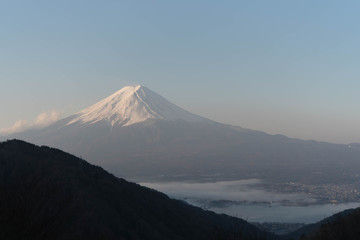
(49, 194)
(137, 134)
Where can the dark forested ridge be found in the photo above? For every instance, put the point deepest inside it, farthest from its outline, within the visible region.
(49, 194)
(344, 225)
(308, 231)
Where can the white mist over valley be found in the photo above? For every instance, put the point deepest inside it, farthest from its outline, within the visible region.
(248, 200)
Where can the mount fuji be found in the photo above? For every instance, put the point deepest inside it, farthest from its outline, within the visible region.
(130, 105)
(137, 134)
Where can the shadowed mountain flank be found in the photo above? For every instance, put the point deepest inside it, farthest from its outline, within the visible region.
(49, 194)
(344, 225)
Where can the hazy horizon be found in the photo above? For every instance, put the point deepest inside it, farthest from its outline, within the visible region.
(281, 67)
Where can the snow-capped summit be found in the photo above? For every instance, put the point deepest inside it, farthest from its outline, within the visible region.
(133, 104)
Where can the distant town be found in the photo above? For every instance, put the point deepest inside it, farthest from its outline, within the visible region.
(323, 193)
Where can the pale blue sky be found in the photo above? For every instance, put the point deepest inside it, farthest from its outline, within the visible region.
(289, 67)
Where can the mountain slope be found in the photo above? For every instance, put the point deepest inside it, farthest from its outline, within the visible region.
(343, 225)
(49, 194)
(137, 134)
(312, 229)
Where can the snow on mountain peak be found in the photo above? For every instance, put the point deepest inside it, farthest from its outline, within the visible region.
(133, 104)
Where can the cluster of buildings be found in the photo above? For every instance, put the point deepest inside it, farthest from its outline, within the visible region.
(323, 193)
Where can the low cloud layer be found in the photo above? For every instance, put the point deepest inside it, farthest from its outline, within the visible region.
(241, 190)
(261, 206)
(41, 121)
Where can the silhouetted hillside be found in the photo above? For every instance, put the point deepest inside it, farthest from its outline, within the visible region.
(344, 225)
(49, 194)
(307, 230)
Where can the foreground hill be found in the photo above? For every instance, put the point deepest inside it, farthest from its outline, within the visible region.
(49, 194)
(136, 133)
(311, 231)
(344, 225)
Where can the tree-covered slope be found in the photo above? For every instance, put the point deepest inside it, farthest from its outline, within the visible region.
(49, 194)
